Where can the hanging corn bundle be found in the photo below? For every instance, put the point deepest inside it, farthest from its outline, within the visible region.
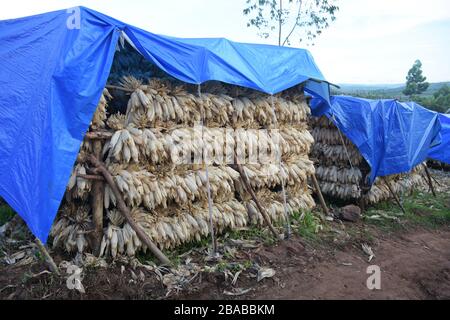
(157, 152)
(338, 167)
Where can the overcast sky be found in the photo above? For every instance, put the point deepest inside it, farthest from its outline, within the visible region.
(372, 41)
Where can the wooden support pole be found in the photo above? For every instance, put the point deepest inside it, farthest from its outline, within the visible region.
(394, 195)
(430, 181)
(91, 177)
(126, 212)
(99, 135)
(98, 190)
(48, 258)
(436, 181)
(362, 204)
(255, 199)
(319, 194)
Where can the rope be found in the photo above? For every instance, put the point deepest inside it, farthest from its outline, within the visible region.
(287, 228)
(208, 186)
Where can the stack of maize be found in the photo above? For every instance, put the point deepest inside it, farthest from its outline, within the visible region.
(341, 170)
(158, 154)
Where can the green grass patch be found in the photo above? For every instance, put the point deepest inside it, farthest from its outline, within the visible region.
(174, 255)
(307, 225)
(422, 209)
(256, 233)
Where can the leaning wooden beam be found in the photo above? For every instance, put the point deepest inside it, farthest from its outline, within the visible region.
(249, 188)
(319, 194)
(48, 258)
(126, 212)
(394, 195)
(436, 181)
(430, 181)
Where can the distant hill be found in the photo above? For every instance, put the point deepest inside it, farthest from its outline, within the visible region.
(388, 90)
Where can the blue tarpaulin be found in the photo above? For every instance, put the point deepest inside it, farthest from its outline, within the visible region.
(392, 136)
(53, 68)
(441, 152)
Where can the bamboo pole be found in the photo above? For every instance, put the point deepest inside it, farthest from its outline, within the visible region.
(48, 258)
(126, 212)
(394, 195)
(430, 181)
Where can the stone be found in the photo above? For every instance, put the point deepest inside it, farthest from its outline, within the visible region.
(350, 213)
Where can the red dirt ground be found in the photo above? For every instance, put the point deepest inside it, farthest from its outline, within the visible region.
(414, 264)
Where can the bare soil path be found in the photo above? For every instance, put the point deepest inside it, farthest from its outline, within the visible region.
(414, 265)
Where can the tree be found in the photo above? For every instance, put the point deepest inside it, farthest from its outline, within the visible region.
(415, 81)
(306, 19)
(441, 99)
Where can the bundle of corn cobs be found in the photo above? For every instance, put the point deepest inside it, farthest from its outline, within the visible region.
(340, 167)
(158, 153)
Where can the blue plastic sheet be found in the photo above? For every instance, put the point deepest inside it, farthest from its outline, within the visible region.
(393, 137)
(52, 73)
(441, 152)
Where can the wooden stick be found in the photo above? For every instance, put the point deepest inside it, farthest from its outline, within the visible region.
(362, 204)
(126, 212)
(210, 208)
(98, 190)
(99, 135)
(91, 177)
(119, 88)
(319, 193)
(394, 195)
(255, 199)
(430, 181)
(48, 258)
(436, 181)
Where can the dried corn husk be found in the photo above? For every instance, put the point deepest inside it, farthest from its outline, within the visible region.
(70, 229)
(167, 195)
(338, 167)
